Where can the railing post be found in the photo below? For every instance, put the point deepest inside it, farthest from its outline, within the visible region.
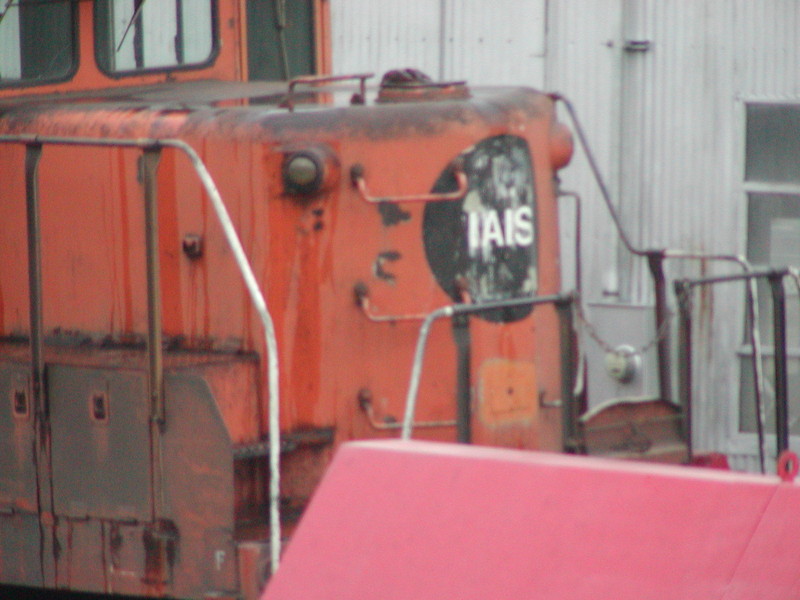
(151, 156)
(655, 261)
(42, 448)
(461, 335)
(683, 291)
(150, 159)
(571, 439)
(779, 343)
(33, 153)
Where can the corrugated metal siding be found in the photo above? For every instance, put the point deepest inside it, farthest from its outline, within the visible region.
(484, 42)
(675, 151)
(676, 166)
(391, 34)
(768, 49)
(497, 42)
(748, 462)
(583, 64)
(660, 134)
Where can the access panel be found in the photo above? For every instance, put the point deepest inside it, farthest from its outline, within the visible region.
(101, 442)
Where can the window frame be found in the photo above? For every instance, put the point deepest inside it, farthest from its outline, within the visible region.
(122, 74)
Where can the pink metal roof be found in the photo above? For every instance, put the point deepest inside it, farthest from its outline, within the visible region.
(424, 521)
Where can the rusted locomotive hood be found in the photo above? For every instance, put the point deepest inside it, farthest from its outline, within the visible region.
(257, 111)
(356, 214)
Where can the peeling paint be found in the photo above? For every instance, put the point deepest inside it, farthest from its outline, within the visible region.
(392, 214)
(389, 256)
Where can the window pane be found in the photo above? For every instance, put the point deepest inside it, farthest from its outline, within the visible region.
(10, 58)
(139, 35)
(773, 240)
(264, 53)
(773, 143)
(36, 41)
(747, 416)
(198, 35)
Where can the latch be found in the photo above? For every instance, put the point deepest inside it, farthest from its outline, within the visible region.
(637, 45)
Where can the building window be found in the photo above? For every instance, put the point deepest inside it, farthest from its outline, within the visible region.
(772, 183)
(773, 144)
(132, 36)
(37, 41)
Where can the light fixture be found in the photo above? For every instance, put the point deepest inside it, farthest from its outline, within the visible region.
(309, 171)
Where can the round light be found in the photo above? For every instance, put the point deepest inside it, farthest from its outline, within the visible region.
(303, 173)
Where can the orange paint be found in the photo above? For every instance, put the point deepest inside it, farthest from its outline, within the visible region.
(310, 254)
(507, 392)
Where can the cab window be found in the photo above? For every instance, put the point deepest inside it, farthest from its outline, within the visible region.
(37, 41)
(280, 38)
(132, 36)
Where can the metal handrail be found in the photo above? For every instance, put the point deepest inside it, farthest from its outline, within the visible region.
(451, 311)
(256, 295)
(462, 187)
(655, 259)
(775, 277)
(289, 101)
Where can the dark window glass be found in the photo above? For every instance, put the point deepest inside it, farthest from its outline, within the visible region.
(37, 41)
(747, 411)
(280, 36)
(773, 240)
(773, 143)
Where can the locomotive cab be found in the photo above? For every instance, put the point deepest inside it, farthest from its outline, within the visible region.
(206, 276)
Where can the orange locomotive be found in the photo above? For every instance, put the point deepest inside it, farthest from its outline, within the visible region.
(208, 282)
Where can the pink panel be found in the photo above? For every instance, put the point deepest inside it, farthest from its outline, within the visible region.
(421, 521)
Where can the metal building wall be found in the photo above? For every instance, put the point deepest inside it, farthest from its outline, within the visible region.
(667, 121)
(660, 87)
(379, 36)
(669, 157)
(488, 42)
(582, 64)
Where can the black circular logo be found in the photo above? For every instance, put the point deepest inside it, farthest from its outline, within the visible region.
(484, 245)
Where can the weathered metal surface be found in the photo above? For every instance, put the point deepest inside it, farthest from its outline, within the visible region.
(107, 532)
(101, 466)
(161, 488)
(650, 79)
(102, 276)
(194, 319)
(21, 548)
(494, 257)
(447, 521)
(17, 467)
(507, 392)
(646, 429)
